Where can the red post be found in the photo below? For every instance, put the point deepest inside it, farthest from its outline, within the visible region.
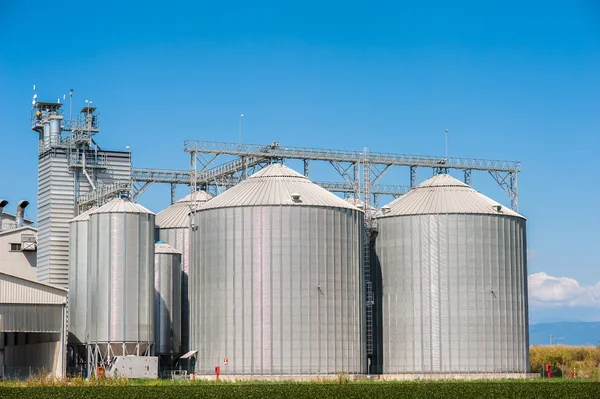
(217, 371)
(549, 369)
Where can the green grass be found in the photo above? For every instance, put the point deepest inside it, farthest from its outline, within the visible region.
(291, 390)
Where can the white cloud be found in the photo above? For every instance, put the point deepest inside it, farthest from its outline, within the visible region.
(550, 291)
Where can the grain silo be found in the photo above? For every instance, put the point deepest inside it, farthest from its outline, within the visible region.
(121, 279)
(173, 227)
(78, 269)
(276, 284)
(453, 282)
(167, 299)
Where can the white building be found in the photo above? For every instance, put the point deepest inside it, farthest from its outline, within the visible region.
(18, 251)
(32, 328)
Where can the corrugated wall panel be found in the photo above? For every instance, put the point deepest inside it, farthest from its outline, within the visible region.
(167, 305)
(453, 294)
(56, 207)
(78, 289)
(278, 291)
(19, 291)
(121, 278)
(179, 239)
(30, 318)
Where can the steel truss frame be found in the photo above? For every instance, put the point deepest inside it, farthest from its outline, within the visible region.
(97, 357)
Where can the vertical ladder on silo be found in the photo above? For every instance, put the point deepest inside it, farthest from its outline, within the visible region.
(367, 251)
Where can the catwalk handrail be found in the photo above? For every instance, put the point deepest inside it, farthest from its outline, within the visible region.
(278, 151)
(183, 177)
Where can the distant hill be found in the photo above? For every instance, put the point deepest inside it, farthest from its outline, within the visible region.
(566, 333)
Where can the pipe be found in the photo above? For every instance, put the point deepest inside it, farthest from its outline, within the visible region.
(21, 212)
(85, 171)
(3, 203)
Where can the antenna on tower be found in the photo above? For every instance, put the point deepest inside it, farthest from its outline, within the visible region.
(241, 117)
(446, 145)
(71, 104)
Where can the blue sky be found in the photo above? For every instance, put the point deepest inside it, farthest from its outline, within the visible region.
(510, 80)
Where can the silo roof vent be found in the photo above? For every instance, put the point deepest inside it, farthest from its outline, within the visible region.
(295, 197)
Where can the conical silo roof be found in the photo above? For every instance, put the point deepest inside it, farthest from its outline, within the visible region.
(119, 205)
(443, 194)
(277, 184)
(198, 196)
(177, 215)
(84, 215)
(163, 248)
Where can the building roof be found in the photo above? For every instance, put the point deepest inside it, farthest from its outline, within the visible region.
(17, 230)
(177, 215)
(14, 289)
(119, 205)
(275, 185)
(12, 217)
(443, 194)
(164, 248)
(85, 216)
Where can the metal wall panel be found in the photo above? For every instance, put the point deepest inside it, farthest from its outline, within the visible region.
(56, 207)
(19, 291)
(121, 278)
(277, 290)
(78, 288)
(30, 318)
(179, 238)
(167, 303)
(454, 296)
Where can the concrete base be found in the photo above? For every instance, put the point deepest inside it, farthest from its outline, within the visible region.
(308, 378)
(475, 376)
(380, 377)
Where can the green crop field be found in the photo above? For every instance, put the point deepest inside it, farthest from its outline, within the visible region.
(290, 390)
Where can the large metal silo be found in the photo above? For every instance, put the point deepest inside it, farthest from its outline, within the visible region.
(78, 269)
(167, 299)
(173, 227)
(121, 279)
(276, 282)
(453, 289)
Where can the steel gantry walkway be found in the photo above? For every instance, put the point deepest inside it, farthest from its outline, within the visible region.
(203, 154)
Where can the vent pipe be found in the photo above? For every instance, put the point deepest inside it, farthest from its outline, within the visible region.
(3, 203)
(21, 212)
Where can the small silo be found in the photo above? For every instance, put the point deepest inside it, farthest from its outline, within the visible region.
(276, 283)
(167, 299)
(173, 227)
(121, 278)
(453, 282)
(78, 269)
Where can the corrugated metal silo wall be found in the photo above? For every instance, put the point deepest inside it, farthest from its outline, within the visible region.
(278, 290)
(78, 264)
(167, 304)
(180, 238)
(121, 278)
(56, 207)
(454, 294)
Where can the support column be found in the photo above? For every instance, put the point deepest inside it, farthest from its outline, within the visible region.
(413, 176)
(307, 168)
(468, 177)
(514, 192)
(173, 193)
